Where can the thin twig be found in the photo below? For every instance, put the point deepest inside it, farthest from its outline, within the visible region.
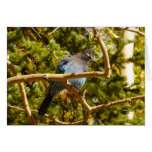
(47, 116)
(53, 54)
(40, 37)
(103, 106)
(36, 33)
(54, 30)
(131, 30)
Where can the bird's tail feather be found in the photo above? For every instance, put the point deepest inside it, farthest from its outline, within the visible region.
(45, 104)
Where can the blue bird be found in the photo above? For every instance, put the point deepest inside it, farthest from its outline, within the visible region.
(71, 64)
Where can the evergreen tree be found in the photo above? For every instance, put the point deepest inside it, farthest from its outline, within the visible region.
(38, 50)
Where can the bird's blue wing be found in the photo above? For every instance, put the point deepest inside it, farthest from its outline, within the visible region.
(69, 65)
(62, 65)
(74, 67)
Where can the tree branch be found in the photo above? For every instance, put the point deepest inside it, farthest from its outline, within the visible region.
(23, 94)
(90, 109)
(42, 39)
(53, 30)
(62, 77)
(52, 77)
(46, 116)
(104, 51)
(103, 106)
(131, 30)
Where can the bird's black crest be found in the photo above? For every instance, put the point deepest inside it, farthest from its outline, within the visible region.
(89, 53)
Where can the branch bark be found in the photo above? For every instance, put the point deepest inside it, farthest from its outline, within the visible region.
(103, 106)
(53, 30)
(23, 94)
(53, 77)
(104, 51)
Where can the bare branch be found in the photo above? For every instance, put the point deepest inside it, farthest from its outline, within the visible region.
(63, 77)
(131, 30)
(54, 30)
(53, 53)
(40, 37)
(15, 107)
(76, 92)
(46, 116)
(24, 97)
(53, 77)
(103, 106)
(93, 109)
(81, 99)
(104, 51)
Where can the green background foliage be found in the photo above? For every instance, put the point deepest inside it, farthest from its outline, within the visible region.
(29, 54)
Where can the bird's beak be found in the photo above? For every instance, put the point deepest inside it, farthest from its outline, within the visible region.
(93, 61)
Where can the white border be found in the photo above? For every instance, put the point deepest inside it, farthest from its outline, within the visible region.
(74, 138)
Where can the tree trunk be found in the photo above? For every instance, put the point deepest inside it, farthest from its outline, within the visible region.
(127, 51)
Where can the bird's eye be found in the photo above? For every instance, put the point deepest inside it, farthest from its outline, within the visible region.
(88, 55)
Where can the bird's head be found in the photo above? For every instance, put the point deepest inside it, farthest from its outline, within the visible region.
(88, 55)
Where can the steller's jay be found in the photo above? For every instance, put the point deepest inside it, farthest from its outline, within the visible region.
(71, 64)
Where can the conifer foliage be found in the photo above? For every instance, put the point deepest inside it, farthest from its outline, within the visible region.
(36, 50)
